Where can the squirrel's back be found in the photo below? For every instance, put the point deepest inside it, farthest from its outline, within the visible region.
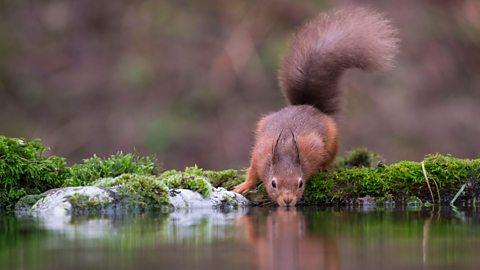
(328, 45)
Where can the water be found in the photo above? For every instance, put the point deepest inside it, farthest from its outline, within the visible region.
(257, 238)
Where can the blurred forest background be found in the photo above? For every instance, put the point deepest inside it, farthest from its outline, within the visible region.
(187, 80)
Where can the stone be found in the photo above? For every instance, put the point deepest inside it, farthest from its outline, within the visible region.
(61, 202)
(219, 197)
(74, 201)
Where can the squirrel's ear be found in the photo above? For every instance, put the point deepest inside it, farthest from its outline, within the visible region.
(274, 148)
(295, 147)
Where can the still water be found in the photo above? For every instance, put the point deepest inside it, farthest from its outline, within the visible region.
(255, 238)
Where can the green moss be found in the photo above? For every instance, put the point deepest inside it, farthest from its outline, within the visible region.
(142, 190)
(83, 204)
(24, 170)
(400, 180)
(146, 191)
(380, 200)
(95, 168)
(342, 184)
(26, 202)
(427, 204)
(227, 178)
(192, 178)
(414, 201)
(386, 200)
(81, 201)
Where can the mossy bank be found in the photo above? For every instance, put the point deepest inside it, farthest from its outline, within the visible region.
(24, 170)
(438, 180)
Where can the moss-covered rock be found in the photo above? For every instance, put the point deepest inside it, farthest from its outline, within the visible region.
(192, 178)
(172, 188)
(84, 204)
(25, 171)
(62, 202)
(227, 178)
(23, 206)
(400, 181)
(127, 193)
(142, 191)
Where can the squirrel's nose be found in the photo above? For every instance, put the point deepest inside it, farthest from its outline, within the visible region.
(288, 201)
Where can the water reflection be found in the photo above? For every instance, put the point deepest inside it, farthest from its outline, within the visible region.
(257, 238)
(207, 223)
(283, 242)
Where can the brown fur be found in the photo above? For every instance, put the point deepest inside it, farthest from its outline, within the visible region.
(301, 139)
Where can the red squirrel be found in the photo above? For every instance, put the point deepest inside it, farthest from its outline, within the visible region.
(302, 138)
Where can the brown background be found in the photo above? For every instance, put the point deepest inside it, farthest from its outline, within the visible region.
(187, 80)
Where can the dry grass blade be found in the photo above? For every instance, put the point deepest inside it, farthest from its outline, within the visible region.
(438, 191)
(428, 183)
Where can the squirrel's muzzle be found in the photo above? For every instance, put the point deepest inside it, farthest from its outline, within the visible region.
(287, 200)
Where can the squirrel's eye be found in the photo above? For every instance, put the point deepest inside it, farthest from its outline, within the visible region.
(274, 184)
(300, 183)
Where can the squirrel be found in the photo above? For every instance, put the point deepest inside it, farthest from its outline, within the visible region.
(301, 139)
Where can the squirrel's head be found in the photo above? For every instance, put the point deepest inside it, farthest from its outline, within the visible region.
(285, 184)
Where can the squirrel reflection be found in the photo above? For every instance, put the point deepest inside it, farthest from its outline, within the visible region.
(282, 242)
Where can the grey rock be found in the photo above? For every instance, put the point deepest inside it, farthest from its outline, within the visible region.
(219, 197)
(57, 203)
(62, 203)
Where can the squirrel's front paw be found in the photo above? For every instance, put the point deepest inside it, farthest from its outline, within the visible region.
(242, 188)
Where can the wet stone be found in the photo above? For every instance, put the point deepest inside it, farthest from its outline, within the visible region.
(74, 201)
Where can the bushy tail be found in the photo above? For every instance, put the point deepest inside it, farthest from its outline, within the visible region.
(328, 45)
